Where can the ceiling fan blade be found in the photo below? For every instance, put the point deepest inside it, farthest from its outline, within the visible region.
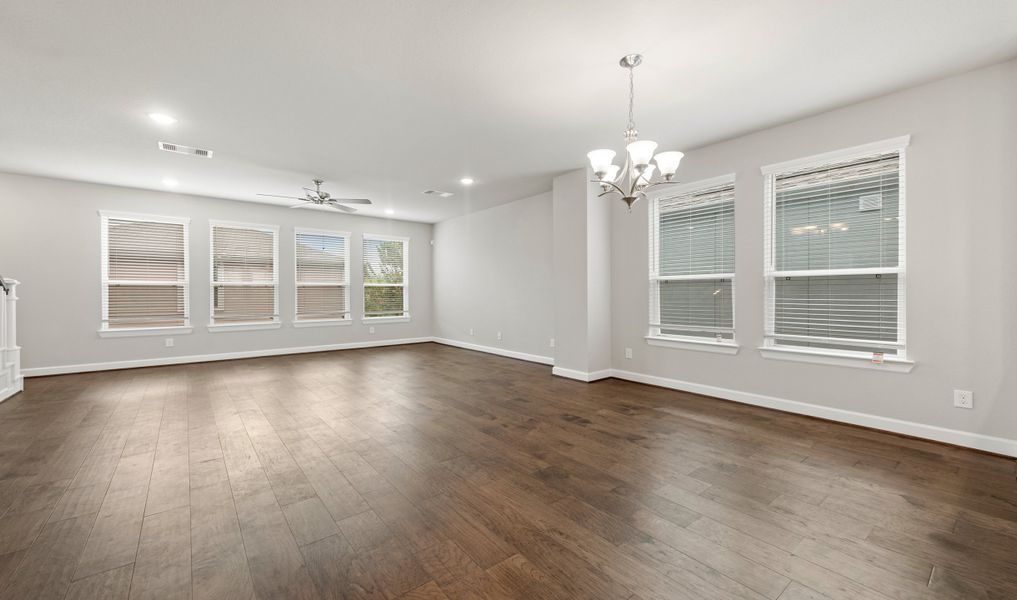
(352, 200)
(304, 204)
(278, 196)
(342, 208)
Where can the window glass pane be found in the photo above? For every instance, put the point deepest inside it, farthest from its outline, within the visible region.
(841, 217)
(243, 255)
(146, 305)
(383, 261)
(700, 308)
(243, 303)
(696, 233)
(321, 302)
(321, 258)
(856, 307)
(383, 301)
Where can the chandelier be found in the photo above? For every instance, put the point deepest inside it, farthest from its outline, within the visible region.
(637, 175)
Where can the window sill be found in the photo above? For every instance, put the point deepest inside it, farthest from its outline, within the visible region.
(322, 322)
(688, 344)
(146, 331)
(893, 365)
(371, 320)
(222, 327)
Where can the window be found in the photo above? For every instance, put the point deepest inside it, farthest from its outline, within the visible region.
(692, 263)
(245, 275)
(835, 253)
(144, 273)
(385, 278)
(322, 276)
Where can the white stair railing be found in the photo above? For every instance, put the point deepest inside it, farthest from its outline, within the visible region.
(11, 381)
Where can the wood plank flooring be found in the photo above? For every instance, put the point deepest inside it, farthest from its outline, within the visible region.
(426, 472)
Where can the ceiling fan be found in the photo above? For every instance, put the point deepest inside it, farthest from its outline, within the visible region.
(320, 198)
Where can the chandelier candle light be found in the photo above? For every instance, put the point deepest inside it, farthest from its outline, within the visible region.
(636, 176)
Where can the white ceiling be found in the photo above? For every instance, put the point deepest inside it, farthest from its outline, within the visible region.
(388, 98)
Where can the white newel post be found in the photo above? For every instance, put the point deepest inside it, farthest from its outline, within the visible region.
(11, 381)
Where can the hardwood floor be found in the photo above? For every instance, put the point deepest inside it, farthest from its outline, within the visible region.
(429, 472)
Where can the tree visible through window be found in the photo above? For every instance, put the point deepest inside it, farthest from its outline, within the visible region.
(385, 293)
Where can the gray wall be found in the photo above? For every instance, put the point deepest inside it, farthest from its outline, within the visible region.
(492, 272)
(961, 177)
(49, 240)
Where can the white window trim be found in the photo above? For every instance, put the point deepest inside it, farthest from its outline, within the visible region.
(682, 342)
(348, 319)
(405, 317)
(241, 326)
(373, 320)
(770, 349)
(322, 322)
(688, 343)
(104, 329)
(221, 327)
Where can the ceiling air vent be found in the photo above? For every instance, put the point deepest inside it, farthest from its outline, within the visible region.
(437, 193)
(168, 147)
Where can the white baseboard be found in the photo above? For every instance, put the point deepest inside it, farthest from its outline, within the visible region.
(544, 360)
(197, 358)
(956, 437)
(581, 375)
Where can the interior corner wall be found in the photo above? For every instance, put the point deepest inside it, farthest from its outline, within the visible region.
(493, 273)
(49, 240)
(961, 211)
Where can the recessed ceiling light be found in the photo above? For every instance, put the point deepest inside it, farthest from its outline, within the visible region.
(466, 181)
(162, 119)
(170, 182)
(389, 211)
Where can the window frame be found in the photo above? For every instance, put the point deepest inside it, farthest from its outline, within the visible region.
(405, 317)
(348, 319)
(900, 360)
(104, 280)
(276, 322)
(654, 337)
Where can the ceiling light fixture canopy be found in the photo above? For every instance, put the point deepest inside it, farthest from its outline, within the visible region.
(636, 176)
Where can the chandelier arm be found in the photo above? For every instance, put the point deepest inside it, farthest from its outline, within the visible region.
(616, 188)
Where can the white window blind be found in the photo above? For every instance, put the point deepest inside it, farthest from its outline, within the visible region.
(322, 275)
(245, 274)
(835, 256)
(385, 277)
(692, 263)
(144, 272)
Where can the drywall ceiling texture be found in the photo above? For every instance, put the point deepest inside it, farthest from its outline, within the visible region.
(388, 98)
(49, 240)
(961, 259)
(493, 273)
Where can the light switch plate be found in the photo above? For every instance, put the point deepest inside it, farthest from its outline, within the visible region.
(628, 353)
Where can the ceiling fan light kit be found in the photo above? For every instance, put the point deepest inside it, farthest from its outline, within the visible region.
(635, 177)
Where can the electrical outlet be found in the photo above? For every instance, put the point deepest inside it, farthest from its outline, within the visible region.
(552, 342)
(471, 331)
(499, 335)
(628, 353)
(963, 399)
(169, 342)
(370, 329)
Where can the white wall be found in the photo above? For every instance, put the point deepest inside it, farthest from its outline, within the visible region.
(961, 183)
(492, 272)
(49, 240)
